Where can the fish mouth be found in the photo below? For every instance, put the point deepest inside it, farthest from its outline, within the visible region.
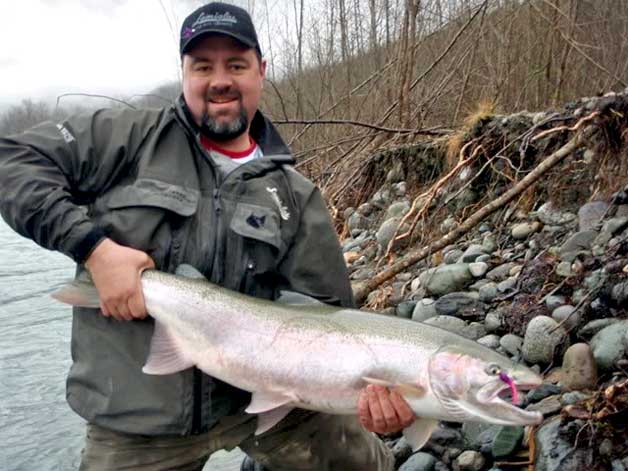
(498, 396)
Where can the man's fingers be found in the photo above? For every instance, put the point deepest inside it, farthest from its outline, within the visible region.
(136, 306)
(388, 410)
(377, 415)
(364, 413)
(404, 412)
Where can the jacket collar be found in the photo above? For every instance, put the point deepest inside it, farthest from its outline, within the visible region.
(262, 131)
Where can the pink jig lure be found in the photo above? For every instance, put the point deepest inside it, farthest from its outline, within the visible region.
(508, 380)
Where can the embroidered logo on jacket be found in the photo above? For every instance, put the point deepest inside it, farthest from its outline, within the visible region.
(67, 136)
(283, 210)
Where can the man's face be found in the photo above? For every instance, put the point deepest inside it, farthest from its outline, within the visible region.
(222, 85)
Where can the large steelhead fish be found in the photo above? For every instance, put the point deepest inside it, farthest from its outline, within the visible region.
(302, 353)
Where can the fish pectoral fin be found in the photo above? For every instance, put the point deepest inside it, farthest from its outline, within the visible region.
(294, 298)
(165, 355)
(379, 382)
(419, 432)
(267, 420)
(410, 390)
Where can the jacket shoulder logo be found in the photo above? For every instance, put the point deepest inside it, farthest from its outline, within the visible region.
(283, 210)
(67, 136)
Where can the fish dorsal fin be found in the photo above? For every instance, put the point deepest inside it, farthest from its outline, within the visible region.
(188, 271)
(419, 432)
(271, 407)
(294, 298)
(165, 357)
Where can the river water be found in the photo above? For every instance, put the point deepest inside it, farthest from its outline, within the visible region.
(38, 430)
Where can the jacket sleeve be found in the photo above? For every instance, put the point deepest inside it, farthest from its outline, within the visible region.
(314, 264)
(50, 172)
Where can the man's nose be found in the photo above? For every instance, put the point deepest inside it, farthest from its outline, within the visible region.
(221, 80)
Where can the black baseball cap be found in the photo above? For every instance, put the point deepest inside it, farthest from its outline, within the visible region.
(220, 18)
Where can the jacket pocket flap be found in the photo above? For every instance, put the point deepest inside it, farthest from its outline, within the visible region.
(148, 192)
(257, 222)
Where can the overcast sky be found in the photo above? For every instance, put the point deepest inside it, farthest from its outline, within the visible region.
(110, 47)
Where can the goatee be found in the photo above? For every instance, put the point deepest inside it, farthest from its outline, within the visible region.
(221, 132)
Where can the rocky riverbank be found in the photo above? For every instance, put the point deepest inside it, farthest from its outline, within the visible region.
(543, 280)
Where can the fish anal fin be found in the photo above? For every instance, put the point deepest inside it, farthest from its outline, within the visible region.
(264, 401)
(267, 420)
(419, 432)
(165, 355)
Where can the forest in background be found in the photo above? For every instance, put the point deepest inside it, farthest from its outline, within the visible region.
(355, 77)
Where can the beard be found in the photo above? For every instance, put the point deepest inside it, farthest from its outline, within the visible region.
(224, 131)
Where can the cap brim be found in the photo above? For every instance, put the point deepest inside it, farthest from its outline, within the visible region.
(189, 42)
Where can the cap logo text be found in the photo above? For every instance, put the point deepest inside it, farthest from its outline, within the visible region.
(216, 19)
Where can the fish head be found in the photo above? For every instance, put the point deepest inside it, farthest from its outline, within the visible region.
(473, 384)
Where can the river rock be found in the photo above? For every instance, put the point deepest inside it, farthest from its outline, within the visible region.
(551, 216)
(459, 304)
(548, 406)
(500, 272)
(506, 441)
(397, 210)
(399, 189)
(609, 345)
(469, 460)
(489, 244)
(402, 450)
(446, 279)
(576, 244)
(488, 292)
(615, 225)
(524, 229)
(472, 253)
(479, 436)
(596, 326)
(568, 315)
(489, 341)
(493, 321)
(381, 199)
(511, 343)
(420, 461)
(386, 232)
(424, 309)
(478, 269)
(542, 339)
(564, 269)
(554, 301)
(474, 331)
(619, 293)
(579, 368)
(405, 309)
(452, 256)
(450, 323)
(555, 452)
(590, 215)
(357, 222)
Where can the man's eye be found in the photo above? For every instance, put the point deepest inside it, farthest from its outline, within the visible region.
(237, 67)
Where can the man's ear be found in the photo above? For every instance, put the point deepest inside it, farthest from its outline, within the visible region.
(262, 68)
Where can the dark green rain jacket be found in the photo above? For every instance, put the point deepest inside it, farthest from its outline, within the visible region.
(143, 179)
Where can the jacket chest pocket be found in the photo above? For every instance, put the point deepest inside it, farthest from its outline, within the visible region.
(147, 215)
(254, 249)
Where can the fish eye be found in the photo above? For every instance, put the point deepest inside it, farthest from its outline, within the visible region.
(493, 370)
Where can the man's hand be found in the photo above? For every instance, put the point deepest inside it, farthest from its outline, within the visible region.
(383, 411)
(116, 272)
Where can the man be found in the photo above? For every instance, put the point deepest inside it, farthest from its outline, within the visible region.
(207, 182)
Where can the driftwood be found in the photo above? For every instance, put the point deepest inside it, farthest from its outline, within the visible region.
(362, 290)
